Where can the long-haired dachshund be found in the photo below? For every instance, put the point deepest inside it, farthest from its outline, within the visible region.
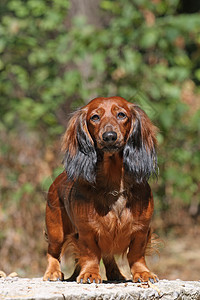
(102, 204)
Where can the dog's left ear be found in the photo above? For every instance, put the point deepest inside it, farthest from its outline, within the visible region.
(80, 155)
(139, 155)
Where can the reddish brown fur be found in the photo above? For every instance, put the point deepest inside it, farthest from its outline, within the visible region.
(109, 216)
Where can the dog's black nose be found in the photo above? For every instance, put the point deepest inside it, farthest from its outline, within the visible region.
(109, 136)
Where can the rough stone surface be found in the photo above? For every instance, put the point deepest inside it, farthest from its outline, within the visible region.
(36, 288)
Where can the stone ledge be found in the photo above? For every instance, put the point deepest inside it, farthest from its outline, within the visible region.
(36, 288)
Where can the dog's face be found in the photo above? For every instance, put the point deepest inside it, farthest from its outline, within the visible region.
(109, 123)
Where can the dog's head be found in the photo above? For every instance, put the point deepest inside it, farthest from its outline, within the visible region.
(110, 125)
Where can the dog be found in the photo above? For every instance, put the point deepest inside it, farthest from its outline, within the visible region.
(102, 204)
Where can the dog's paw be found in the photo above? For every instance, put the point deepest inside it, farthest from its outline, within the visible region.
(89, 278)
(144, 277)
(53, 275)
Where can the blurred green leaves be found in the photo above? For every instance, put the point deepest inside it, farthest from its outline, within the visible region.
(144, 51)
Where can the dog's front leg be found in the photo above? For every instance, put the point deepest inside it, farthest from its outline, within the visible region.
(136, 258)
(58, 226)
(89, 258)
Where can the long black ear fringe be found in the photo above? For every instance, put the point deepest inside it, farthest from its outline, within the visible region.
(83, 163)
(139, 161)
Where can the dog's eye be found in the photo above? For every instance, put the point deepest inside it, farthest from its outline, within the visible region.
(95, 118)
(121, 115)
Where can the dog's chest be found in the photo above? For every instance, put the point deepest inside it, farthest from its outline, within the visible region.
(116, 228)
(119, 206)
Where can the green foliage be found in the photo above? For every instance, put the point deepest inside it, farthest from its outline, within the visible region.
(30, 83)
(146, 54)
(142, 55)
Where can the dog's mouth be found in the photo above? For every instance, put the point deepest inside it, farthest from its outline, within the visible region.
(112, 148)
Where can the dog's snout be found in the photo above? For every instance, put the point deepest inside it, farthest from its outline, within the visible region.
(109, 136)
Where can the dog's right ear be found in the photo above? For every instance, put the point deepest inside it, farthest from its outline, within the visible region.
(80, 155)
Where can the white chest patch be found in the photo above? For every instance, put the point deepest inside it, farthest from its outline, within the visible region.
(119, 206)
